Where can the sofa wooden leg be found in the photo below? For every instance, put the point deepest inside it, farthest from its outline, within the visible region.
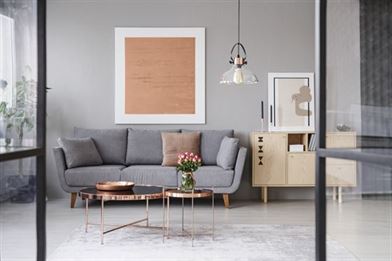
(74, 195)
(226, 200)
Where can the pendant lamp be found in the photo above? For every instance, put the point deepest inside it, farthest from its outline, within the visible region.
(238, 73)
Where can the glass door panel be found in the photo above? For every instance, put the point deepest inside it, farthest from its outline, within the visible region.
(359, 121)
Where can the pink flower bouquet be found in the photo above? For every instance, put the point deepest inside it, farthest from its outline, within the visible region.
(188, 162)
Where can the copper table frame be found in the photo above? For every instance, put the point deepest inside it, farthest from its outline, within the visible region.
(177, 193)
(93, 194)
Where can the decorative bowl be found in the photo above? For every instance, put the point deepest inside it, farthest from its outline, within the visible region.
(115, 185)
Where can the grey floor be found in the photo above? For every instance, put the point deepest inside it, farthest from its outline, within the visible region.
(363, 226)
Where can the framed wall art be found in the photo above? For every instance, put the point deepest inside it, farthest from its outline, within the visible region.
(160, 75)
(291, 102)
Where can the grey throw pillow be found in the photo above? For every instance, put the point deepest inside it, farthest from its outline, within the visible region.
(80, 152)
(227, 153)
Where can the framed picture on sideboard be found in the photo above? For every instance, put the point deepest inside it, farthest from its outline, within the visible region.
(291, 102)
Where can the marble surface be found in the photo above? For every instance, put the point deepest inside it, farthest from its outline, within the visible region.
(361, 226)
(232, 242)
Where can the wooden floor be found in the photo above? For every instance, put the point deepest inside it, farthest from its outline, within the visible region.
(363, 226)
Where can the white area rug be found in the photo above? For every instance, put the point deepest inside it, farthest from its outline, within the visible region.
(232, 242)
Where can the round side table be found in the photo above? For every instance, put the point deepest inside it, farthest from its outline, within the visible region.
(141, 192)
(197, 193)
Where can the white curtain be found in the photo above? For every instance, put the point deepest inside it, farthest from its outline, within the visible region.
(7, 62)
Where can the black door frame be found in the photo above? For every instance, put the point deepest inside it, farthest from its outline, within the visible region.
(320, 78)
(39, 151)
(41, 131)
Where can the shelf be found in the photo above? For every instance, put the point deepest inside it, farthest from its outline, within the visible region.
(300, 152)
(382, 156)
(297, 139)
(12, 153)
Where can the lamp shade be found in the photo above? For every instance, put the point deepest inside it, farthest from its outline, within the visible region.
(239, 75)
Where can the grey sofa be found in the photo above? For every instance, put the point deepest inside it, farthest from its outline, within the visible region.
(136, 155)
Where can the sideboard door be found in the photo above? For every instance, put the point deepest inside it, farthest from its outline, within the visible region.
(340, 172)
(269, 159)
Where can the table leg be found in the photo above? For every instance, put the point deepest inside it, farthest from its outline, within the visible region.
(182, 217)
(213, 213)
(147, 221)
(164, 214)
(193, 216)
(102, 220)
(168, 217)
(86, 214)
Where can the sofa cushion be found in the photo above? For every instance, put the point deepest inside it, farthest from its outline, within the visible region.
(80, 152)
(211, 176)
(111, 143)
(176, 143)
(227, 153)
(150, 175)
(145, 147)
(210, 141)
(89, 176)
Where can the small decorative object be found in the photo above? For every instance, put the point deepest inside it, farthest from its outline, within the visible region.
(188, 163)
(296, 148)
(238, 73)
(115, 185)
(343, 127)
(291, 102)
(160, 75)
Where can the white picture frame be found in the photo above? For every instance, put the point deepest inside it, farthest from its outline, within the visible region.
(290, 108)
(198, 117)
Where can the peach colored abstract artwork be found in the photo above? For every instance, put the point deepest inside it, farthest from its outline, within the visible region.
(159, 75)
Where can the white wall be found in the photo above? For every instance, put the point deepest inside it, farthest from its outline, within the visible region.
(278, 36)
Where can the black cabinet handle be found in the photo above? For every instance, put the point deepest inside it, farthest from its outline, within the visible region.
(270, 113)
(262, 110)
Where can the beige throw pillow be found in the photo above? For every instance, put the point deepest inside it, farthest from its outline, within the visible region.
(176, 143)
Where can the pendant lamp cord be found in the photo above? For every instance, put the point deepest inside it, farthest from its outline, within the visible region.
(239, 28)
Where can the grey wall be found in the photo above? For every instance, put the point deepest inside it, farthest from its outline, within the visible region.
(278, 35)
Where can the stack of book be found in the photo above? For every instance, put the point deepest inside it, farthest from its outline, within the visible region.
(312, 143)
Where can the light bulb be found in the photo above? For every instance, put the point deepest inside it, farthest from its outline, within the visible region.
(238, 77)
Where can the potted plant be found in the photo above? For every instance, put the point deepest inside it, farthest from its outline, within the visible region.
(20, 117)
(188, 163)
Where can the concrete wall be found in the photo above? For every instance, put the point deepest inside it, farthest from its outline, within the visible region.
(278, 35)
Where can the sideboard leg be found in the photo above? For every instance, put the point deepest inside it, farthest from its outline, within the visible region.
(264, 192)
(261, 194)
(340, 196)
(333, 193)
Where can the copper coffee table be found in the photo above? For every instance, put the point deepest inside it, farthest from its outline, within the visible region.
(137, 193)
(177, 193)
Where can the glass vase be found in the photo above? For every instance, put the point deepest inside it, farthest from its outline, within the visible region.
(187, 182)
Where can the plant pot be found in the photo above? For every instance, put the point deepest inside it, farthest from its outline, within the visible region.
(187, 182)
(22, 188)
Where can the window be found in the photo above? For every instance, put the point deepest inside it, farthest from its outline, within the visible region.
(7, 54)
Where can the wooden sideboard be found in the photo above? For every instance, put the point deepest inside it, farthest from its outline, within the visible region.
(273, 165)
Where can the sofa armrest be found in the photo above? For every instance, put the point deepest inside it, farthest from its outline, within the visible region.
(238, 169)
(61, 167)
